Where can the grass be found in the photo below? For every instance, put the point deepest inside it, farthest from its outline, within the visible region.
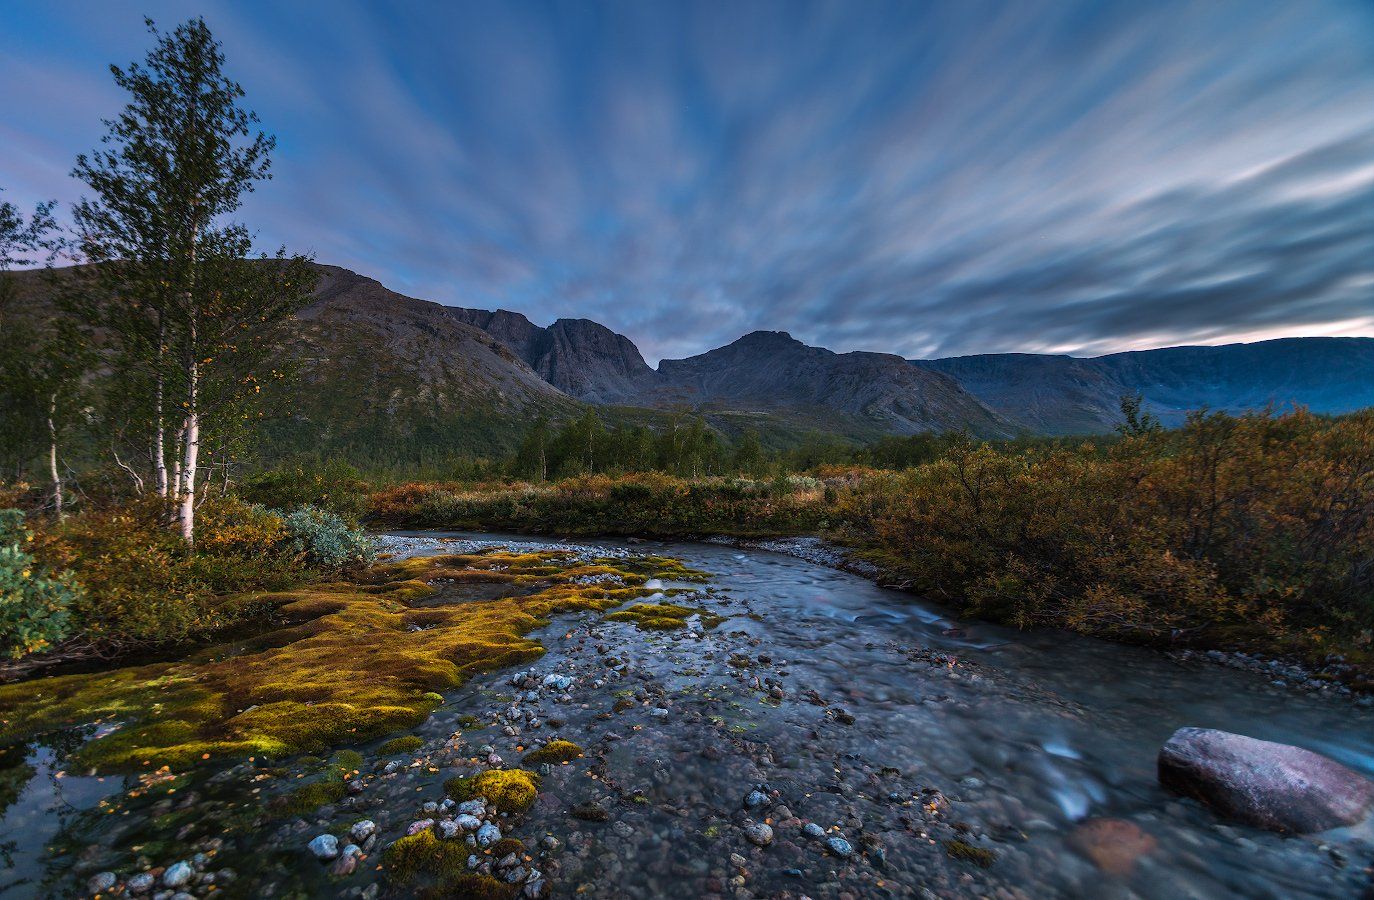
(349, 661)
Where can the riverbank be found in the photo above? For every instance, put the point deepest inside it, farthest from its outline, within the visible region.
(800, 731)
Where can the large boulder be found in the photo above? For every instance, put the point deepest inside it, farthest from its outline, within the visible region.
(1274, 786)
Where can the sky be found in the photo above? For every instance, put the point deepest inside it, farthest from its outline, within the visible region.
(922, 178)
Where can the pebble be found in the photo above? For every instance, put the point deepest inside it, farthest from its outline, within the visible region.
(813, 830)
(840, 847)
(325, 847)
(362, 830)
(449, 829)
(102, 882)
(177, 874)
(419, 826)
(759, 834)
(472, 807)
(141, 883)
(488, 834)
(468, 822)
(754, 799)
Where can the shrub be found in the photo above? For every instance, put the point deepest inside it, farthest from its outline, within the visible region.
(34, 603)
(333, 485)
(324, 539)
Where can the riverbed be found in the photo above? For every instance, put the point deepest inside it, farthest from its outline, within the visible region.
(888, 749)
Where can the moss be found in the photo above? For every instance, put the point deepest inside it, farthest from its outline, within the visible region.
(423, 853)
(663, 616)
(404, 744)
(506, 846)
(554, 752)
(510, 791)
(310, 797)
(470, 886)
(346, 762)
(979, 856)
(347, 668)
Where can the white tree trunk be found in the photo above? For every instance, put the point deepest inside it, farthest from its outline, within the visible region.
(52, 458)
(186, 515)
(160, 430)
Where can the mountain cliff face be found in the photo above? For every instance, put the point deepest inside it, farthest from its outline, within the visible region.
(581, 358)
(1065, 395)
(772, 371)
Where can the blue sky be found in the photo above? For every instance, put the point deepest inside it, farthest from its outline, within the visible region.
(922, 178)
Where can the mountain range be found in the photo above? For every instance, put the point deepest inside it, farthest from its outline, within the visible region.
(384, 369)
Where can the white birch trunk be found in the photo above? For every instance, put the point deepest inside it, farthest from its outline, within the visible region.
(52, 458)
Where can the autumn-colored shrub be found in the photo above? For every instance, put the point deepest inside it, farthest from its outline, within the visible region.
(34, 603)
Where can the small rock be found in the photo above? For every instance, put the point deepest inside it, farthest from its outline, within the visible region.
(468, 822)
(141, 883)
(488, 834)
(102, 882)
(325, 847)
(812, 830)
(363, 830)
(473, 807)
(1113, 845)
(758, 834)
(755, 799)
(177, 874)
(419, 826)
(840, 847)
(449, 829)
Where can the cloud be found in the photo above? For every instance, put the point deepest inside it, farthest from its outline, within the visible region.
(916, 178)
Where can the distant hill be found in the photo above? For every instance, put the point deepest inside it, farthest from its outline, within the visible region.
(1068, 395)
(855, 392)
(386, 376)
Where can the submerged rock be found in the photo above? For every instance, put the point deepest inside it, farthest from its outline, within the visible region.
(325, 847)
(177, 874)
(1274, 786)
(759, 833)
(1113, 845)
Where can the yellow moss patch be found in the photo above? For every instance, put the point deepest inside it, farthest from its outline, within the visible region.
(554, 752)
(403, 744)
(311, 797)
(424, 853)
(355, 662)
(663, 616)
(509, 790)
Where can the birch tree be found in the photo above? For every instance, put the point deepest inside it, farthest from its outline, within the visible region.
(175, 283)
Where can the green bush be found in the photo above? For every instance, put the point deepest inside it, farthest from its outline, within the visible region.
(325, 540)
(34, 603)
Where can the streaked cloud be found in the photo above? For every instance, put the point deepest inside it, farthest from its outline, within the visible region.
(926, 179)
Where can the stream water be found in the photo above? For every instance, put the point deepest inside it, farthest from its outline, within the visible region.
(909, 736)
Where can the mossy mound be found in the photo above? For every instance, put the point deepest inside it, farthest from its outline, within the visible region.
(405, 744)
(979, 856)
(663, 616)
(346, 665)
(554, 752)
(424, 853)
(309, 797)
(510, 791)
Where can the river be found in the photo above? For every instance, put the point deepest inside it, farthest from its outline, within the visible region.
(903, 732)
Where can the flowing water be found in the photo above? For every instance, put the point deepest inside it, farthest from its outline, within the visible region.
(857, 708)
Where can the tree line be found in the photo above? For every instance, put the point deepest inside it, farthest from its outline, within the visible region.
(159, 342)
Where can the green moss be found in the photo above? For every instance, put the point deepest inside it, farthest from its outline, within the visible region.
(346, 669)
(310, 797)
(346, 762)
(554, 752)
(470, 887)
(423, 853)
(979, 856)
(506, 846)
(663, 616)
(510, 791)
(404, 744)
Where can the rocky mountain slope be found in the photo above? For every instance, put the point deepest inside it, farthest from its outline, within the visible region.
(1067, 395)
(582, 358)
(770, 371)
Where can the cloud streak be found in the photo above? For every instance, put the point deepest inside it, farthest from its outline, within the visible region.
(926, 179)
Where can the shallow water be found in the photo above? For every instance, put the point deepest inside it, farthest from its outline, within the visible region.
(1019, 743)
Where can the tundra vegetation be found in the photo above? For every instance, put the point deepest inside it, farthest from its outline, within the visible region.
(143, 522)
